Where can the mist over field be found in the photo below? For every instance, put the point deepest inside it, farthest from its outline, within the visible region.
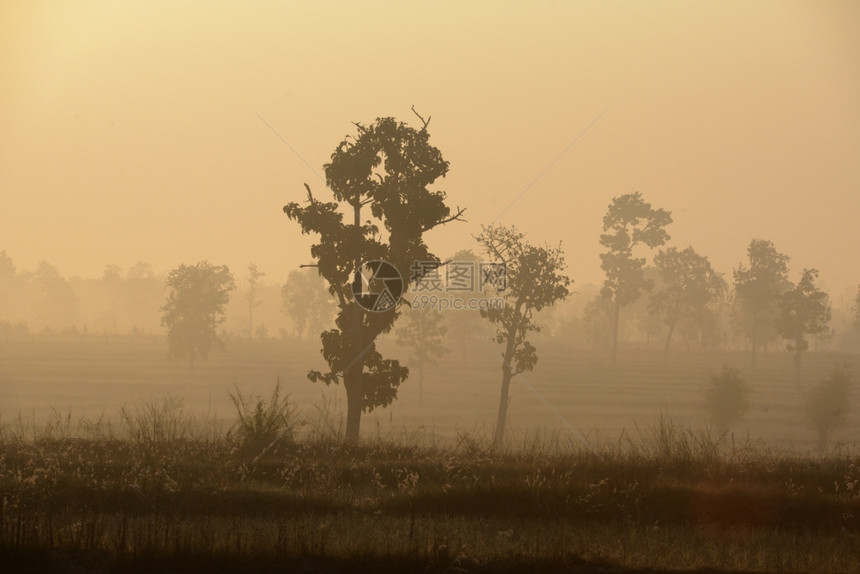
(435, 287)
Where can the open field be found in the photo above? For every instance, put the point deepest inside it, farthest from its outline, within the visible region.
(608, 468)
(672, 501)
(575, 393)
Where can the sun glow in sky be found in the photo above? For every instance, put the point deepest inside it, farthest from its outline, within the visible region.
(146, 131)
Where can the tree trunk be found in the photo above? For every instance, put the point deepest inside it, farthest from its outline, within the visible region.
(615, 331)
(352, 376)
(797, 358)
(668, 342)
(504, 401)
(754, 341)
(352, 382)
(421, 383)
(504, 397)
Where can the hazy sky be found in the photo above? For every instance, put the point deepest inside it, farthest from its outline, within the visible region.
(133, 131)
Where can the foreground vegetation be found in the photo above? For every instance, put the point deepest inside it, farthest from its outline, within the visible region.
(153, 494)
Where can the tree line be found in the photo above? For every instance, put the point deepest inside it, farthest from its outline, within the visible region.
(372, 231)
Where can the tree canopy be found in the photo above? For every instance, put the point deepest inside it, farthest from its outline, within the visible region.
(630, 221)
(758, 287)
(387, 167)
(197, 295)
(533, 281)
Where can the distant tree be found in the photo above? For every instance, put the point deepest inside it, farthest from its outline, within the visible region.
(533, 281)
(726, 399)
(423, 331)
(689, 285)
(857, 309)
(57, 304)
(465, 325)
(7, 276)
(628, 223)
(197, 295)
(7, 267)
(758, 289)
(388, 167)
(254, 275)
(597, 318)
(307, 302)
(827, 405)
(804, 310)
(143, 293)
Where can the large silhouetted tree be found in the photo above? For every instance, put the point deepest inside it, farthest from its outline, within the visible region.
(423, 331)
(533, 281)
(629, 222)
(804, 310)
(197, 295)
(689, 285)
(758, 288)
(386, 168)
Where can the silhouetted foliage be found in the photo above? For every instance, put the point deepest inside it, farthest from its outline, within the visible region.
(726, 398)
(689, 285)
(758, 289)
(804, 310)
(827, 405)
(197, 295)
(533, 281)
(629, 222)
(388, 167)
(423, 331)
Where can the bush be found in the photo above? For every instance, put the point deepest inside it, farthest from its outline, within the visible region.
(262, 422)
(726, 399)
(827, 405)
(157, 423)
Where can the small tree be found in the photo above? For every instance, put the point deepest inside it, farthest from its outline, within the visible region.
(758, 288)
(689, 285)
(827, 405)
(726, 399)
(628, 223)
(254, 275)
(533, 281)
(197, 295)
(804, 310)
(423, 331)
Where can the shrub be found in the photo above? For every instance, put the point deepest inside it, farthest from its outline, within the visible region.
(726, 399)
(157, 423)
(827, 404)
(262, 422)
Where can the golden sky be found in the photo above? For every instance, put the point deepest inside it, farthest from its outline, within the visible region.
(138, 130)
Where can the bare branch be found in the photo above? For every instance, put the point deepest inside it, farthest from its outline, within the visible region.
(456, 217)
(423, 121)
(310, 196)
